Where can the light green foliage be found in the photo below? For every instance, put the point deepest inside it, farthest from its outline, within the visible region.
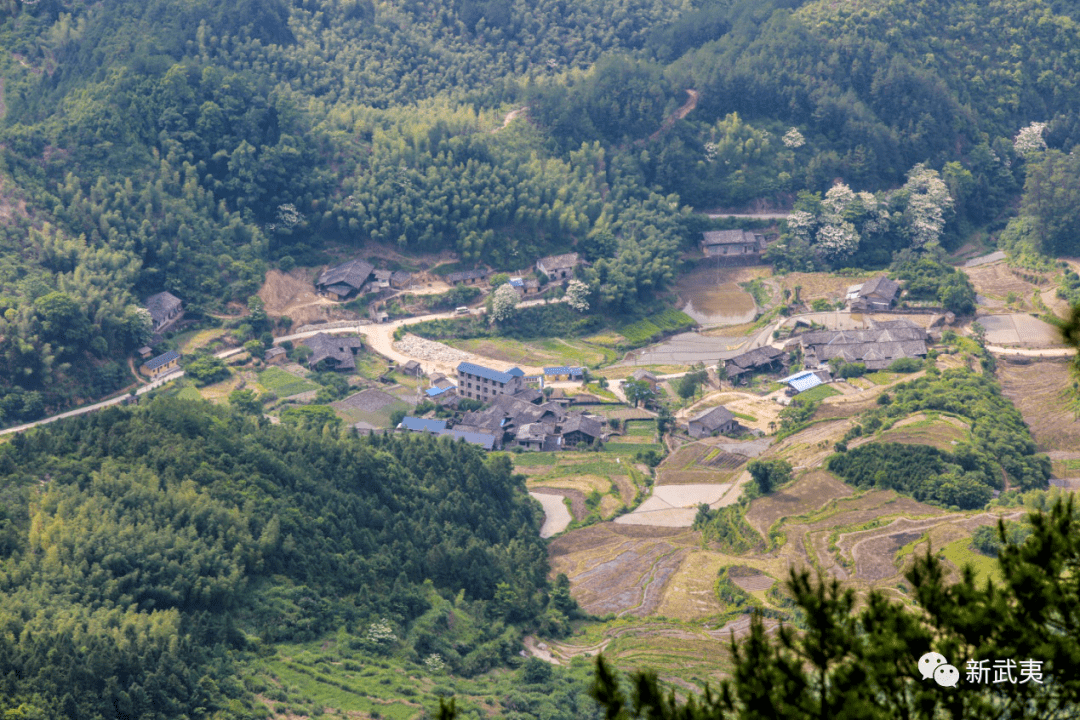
(283, 383)
(206, 370)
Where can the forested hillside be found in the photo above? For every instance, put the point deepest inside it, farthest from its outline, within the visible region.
(141, 550)
(189, 145)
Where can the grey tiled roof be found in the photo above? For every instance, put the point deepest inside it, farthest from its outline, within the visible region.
(353, 273)
(713, 418)
(161, 305)
(161, 360)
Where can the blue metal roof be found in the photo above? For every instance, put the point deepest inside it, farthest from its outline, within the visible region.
(482, 439)
(420, 425)
(517, 282)
(562, 370)
(803, 381)
(484, 372)
(437, 391)
(516, 372)
(161, 360)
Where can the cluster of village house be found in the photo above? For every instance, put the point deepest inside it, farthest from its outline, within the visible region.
(358, 277)
(516, 414)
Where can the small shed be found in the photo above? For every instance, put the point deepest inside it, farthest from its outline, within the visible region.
(802, 381)
(713, 421)
(275, 356)
(412, 369)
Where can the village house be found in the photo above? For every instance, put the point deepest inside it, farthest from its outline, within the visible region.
(165, 309)
(558, 267)
(274, 356)
(646, 377)
(759, 360)
(439, 428)
(161, 365)
(876, 294)
(714, 421)
(412, 369)
(876, 347)
(563, 372)
(481, 383)
(380, 279)
(468, 277)
(333, 352)
(399, 279)
(341, 281)
(578, 428)
(538, 436)
(415, 424)
(733, 247)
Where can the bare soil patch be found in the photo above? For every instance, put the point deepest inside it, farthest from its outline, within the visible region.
(370, 400)
(809, 493)
(1041, 392)
(822, 286)
(750, 579)
(293, 294)
(998, 280)
(619, 569)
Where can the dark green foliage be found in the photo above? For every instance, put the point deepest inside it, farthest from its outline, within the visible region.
(621, 99)
(904, 365)
(1000, 440)
(160, 529)
(930, 279)
(1051, 199)
(528, 323)
(991, 540)
(926, 473)
(851, 370)
(206, 369)
(769, 474)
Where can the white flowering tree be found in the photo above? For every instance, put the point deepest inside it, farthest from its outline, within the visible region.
(504, 302)
(837, 241)
(793, 139)
(1030, 141)
(838, 201)
(435, 663)
(928, 200)
(577, 295)
(801, 225)
(381, 633)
